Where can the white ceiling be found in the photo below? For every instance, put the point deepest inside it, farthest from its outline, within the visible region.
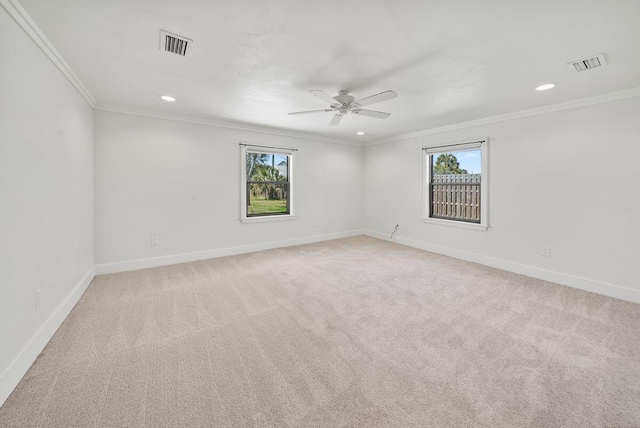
(255, 60)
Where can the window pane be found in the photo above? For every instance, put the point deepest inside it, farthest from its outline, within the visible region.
(267, 167)
(466, 162)
(455, 185)
(268, 198)
(267, 183)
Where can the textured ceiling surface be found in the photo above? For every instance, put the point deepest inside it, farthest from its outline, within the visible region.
(254, 61)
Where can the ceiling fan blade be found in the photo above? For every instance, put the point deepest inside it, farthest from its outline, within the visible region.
(336, 119)
(382, 96)
(371, 113)
(310, 111)
(323, 96)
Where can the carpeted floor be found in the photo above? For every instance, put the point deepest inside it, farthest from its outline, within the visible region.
(355, 332)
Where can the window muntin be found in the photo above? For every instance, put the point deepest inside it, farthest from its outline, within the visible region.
(266, 183)
(456, 184)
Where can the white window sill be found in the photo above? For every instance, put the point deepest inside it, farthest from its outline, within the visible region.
(261, 219)
(454, 223)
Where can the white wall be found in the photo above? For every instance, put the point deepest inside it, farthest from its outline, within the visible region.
(180, 182)
(569, 180)
(46, 200)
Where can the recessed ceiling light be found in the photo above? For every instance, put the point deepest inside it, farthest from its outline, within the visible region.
(546, 86)
(360, 133)
(168, 98)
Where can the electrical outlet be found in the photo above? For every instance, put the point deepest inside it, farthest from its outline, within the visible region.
(155, 240)
(38, 297)
(315, 224)
(546, 252)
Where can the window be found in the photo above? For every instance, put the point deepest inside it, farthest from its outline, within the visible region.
(266, 184)
(456, 184)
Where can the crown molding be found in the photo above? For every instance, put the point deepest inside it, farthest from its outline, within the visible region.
(24, 21)
(219, 124)
(567, 105)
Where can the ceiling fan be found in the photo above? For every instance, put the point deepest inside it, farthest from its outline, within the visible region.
(344, 103)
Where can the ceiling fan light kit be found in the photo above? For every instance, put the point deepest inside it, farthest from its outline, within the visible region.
(343, 103)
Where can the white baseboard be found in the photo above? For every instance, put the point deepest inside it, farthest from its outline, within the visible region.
(593, 286)
(221, 252)
(21, 364)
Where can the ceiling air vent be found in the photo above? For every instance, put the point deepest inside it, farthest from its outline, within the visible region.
(588, 63)
(173, 43)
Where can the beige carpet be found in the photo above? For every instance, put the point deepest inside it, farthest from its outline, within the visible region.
(355, 332)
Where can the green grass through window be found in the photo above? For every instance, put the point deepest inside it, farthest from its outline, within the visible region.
(263, 206)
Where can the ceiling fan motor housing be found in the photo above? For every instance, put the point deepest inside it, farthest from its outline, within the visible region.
(344, 98)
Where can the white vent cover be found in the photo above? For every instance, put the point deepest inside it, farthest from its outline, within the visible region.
(588, 63)
(173, 43)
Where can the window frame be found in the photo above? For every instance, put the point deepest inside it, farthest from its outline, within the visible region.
(483, 145)
(250, 148)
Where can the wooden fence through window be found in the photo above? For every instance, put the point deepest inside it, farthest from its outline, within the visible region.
(456, 197)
